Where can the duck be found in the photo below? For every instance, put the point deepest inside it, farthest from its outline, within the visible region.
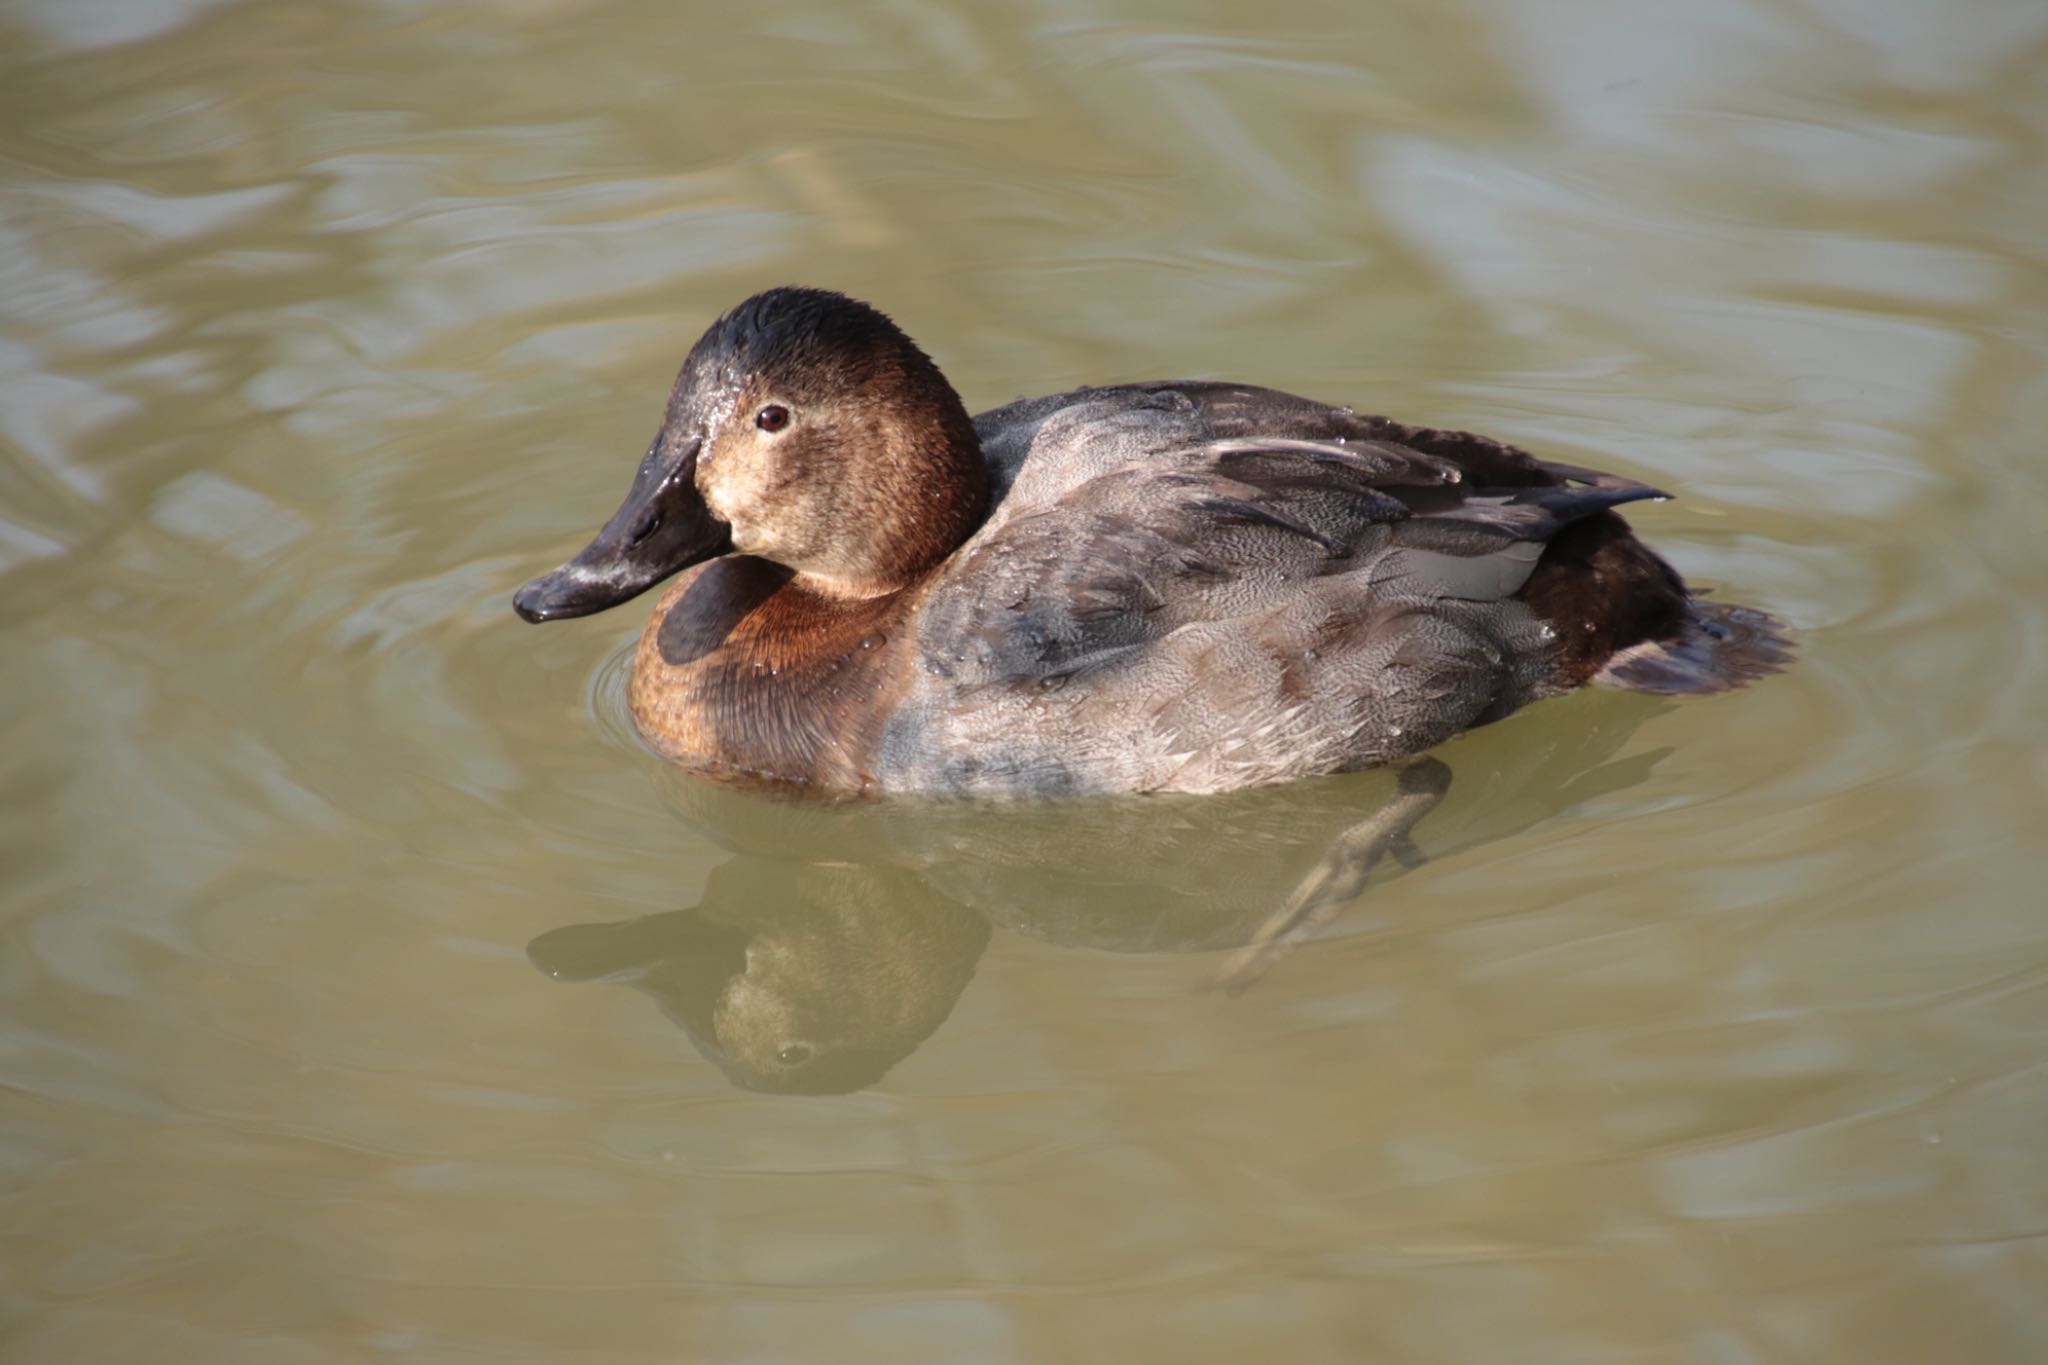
(1166, 586)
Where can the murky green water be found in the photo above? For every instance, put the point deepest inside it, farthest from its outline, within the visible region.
(1713, 1032)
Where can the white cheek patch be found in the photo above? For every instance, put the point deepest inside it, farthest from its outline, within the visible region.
(719, 402)
(713, 478)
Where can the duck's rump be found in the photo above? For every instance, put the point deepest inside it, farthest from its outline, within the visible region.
(1204, 586)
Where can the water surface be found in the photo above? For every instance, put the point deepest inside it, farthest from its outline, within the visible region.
(1711, 1032)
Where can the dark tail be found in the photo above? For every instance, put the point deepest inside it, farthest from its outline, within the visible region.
(1717, 648)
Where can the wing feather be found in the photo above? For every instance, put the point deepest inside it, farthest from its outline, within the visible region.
(1230, 528)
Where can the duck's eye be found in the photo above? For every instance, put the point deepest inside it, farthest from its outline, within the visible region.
(796, 1054)
(774, 417)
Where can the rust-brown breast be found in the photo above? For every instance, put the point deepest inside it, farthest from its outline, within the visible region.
(742, 672)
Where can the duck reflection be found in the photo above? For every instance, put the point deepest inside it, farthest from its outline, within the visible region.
(818, 973)
(811, 977)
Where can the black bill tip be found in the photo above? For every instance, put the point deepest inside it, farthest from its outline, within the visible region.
(545, 599)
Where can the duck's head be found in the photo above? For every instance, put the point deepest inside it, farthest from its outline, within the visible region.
(804, 428)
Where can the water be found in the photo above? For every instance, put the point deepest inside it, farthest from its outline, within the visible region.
(1712, 1032)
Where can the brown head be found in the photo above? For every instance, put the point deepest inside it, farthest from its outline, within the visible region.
(807, 429)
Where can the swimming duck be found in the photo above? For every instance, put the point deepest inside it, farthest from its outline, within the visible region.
(1169, 586)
